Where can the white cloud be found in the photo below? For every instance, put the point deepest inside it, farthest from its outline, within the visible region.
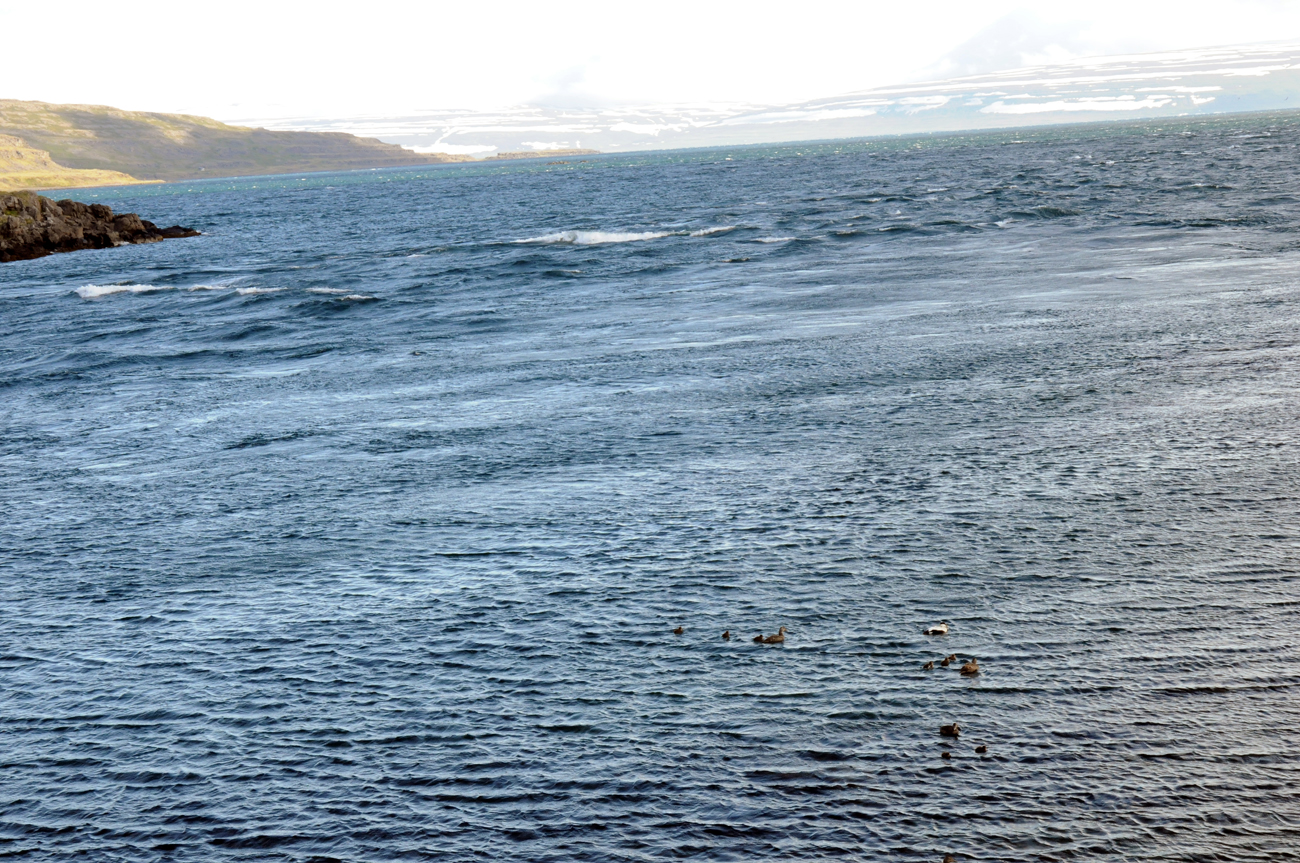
(394, 57)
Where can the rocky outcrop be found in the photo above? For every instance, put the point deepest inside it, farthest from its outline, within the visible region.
(32, 226)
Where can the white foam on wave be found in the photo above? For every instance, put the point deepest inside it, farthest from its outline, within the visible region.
(247, 291)
(594, 238)
(90, 292)
(773, 239)
(327, 290)
(721, 229)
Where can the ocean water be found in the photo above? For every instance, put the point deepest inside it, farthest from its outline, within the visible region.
(357, 528)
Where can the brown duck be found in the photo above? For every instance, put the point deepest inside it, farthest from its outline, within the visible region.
(779, 638)
(953, 730)
(971, 668)
(678, 631)
(726, 636)
(929, 666)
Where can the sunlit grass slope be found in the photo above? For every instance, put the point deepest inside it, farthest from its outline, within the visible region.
(23, 167)
(178, 147)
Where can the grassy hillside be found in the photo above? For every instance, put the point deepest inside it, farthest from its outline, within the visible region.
(181, 147)
(22, 167)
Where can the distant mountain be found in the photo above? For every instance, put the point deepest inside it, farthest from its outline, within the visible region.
(178, 147)
(1182, 83)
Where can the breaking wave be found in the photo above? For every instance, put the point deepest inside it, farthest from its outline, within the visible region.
(90, 292)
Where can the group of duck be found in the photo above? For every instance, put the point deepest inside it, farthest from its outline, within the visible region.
(969, 669)
(777, 638)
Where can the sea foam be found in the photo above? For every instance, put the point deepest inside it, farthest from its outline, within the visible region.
(90, 292)
(594, 238)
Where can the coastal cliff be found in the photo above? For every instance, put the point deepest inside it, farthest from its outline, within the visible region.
(32, 226)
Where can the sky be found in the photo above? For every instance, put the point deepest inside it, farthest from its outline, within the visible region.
(243, 59)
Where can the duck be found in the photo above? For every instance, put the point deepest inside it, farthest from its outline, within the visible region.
(948, 858)
(937, 629)
(726, 636)
(971, 668)
(945, 662)
(953, 730)
(678, 631)
(929, 666)
(779, 638)
(945, 754)
(981, 749)
(952, 657)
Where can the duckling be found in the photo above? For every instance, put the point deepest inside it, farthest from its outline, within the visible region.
(945, 662)
(678, 631)
(981, 749)
(779, 638)
(953, 730)
(945, 754)
(758, 639)
(938, 629)
(948, 858)
(929, 666)
(971, 668)
(952, 657)
(726, 636)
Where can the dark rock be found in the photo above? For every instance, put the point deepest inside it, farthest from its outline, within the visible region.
(32, 226)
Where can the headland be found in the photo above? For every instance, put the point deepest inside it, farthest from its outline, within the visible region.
(32, 226)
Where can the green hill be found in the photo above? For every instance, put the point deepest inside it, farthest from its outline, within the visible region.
(180, 147)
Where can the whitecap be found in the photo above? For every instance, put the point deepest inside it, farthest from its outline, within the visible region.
(247, 291)
(773, 239)
(594, 238)
(721, 229)
(90, 292)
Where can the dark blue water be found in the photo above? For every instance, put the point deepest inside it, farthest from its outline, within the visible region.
(357, 529)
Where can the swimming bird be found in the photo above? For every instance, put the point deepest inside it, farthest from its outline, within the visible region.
(929, 666)
(940, 629)
(678, 631)
(981, 749)
(948, 858)
(971, 668)
(779, 638)
(758, 639)
(726, 636)
(945, 662)
(952, 657)
(945, 754)
(953, 730)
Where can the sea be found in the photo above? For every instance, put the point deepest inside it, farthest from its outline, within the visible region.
(359, 528)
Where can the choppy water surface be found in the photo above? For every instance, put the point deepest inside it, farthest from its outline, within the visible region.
(358, 527)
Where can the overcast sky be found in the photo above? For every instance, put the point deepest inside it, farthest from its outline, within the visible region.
(262, 59)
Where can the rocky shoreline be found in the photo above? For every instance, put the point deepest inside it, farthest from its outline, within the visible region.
(33, 226)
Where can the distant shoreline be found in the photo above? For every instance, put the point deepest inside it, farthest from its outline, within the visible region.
(540, 154)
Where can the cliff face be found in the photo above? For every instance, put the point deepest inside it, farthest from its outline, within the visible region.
(32, 226)
(23, 167)
(182, 147)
